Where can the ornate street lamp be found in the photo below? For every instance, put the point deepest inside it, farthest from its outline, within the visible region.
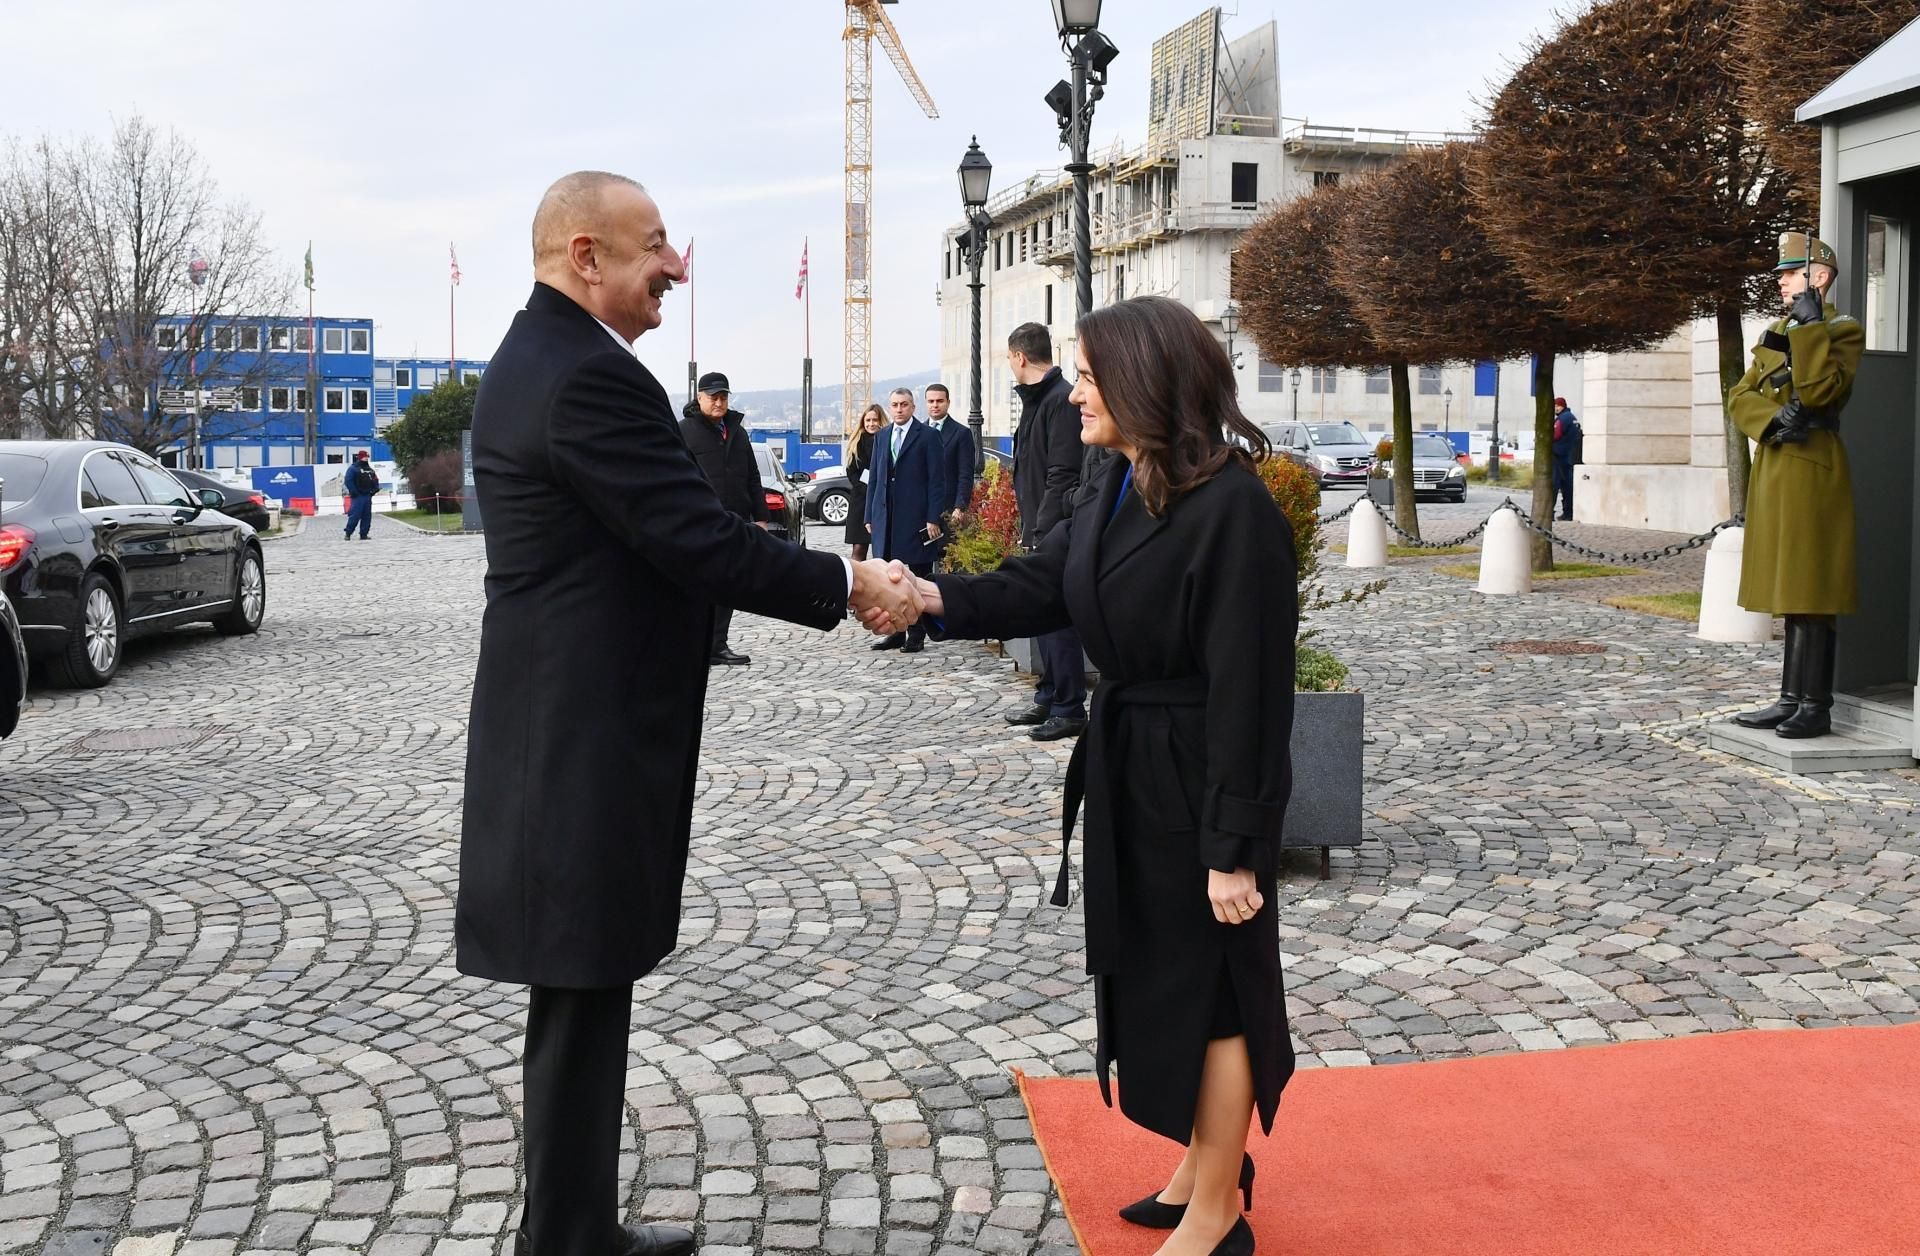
(197, 268)
(1230, 323)
(1447, 395)
(1091, 53)
(1296, 394)
(976, 176)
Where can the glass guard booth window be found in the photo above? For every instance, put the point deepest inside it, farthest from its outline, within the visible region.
(1885, 311)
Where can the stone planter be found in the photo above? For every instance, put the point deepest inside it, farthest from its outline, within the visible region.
(1329, 731)
(1380, 490)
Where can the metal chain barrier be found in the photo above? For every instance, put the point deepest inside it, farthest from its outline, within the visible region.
(1338, 515)
(1527, 521)
(1407, 538)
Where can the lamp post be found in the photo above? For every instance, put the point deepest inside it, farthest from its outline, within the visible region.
(197, 267)
(1447, 395)
(976, 175)
(1230, 323)
(1091, 53)
(1493, 446)
(1296, 394)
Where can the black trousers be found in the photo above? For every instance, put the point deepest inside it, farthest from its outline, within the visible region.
(574, 1073)
(916, 633)
(1563, 487)
(722, 621)
(1063, 678)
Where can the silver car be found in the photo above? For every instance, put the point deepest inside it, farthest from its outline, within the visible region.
(1338, 453)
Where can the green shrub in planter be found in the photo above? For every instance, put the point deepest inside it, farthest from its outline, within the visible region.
(1296, 491)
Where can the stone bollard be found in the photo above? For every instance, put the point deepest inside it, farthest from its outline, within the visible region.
(1506, 557)
(1366, 537)
(1722, 618)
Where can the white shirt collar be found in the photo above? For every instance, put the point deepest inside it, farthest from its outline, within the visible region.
(621, 340)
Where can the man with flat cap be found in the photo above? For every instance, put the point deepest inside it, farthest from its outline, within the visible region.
(606, 550)
(1799, 557)
(716, 436)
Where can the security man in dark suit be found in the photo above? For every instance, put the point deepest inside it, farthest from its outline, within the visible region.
(905, 501)
(956, 439)
(1048, 460)
(606, 550)
(716, 436)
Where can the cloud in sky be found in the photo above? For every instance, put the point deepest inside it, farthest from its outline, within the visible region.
(382, 131)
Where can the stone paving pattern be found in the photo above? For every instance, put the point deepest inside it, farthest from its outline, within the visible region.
(230, 1023)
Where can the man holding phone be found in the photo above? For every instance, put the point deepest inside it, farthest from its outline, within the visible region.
(908, 493)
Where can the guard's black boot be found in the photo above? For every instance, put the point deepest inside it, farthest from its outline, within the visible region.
(1815, 716)
(1789, 704)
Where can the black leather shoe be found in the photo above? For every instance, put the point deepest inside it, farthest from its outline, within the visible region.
(913, 647)
(895, 642)
(1154, 1215)
(729, 658)
(1059, 726)
(635, 1240)
(1026, 715)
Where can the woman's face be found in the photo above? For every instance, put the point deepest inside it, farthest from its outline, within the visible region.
(871, 421)
(1096, 421)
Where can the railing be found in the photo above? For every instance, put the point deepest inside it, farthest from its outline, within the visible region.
(1312, 134)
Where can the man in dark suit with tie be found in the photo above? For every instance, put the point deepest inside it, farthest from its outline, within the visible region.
(905, 500)
(606, 550)
(956, 438)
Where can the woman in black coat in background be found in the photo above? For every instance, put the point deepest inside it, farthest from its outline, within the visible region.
(1178, 571)
(859, 459)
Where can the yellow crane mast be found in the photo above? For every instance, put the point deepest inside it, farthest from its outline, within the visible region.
(867, 24)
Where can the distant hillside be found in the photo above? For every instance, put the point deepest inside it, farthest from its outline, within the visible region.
(780, 407)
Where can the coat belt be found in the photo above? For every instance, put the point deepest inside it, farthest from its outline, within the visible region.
(1089, 757)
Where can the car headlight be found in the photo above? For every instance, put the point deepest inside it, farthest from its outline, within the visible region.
(1458, 473)
(1325, 463)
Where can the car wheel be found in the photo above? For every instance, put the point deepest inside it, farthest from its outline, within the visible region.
(92, 653)
(249, 598)
(834, 508)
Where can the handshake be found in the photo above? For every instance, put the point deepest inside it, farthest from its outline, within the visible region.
(888, 598)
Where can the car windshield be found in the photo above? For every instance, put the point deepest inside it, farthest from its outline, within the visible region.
(769, 464)
(1335, 434)
(1432, 447)
(23, 474)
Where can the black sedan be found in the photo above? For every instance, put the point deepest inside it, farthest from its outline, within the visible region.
(101, 544)
(782, 493)
(13, 669)
(247, 505)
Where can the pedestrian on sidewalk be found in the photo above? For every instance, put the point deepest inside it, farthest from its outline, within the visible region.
(362, 484)
(859, 464)
(905, 501)
(716, 436)
(1568, 452)
(1048, 459)
(1179, 571)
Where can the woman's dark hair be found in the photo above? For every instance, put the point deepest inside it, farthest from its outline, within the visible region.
(1170, 388)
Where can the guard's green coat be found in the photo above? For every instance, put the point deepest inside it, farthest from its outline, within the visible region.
(1799, 556)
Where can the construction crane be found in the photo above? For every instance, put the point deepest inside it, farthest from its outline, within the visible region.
(867, 24)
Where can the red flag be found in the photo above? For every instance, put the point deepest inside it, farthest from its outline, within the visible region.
(800, 289)
(686, 262)
(453, 261)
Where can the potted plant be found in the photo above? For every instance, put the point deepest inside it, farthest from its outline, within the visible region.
(1380, 474)
(1328, 743)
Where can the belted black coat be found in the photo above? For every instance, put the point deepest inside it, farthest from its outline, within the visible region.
(1190, 620)
(606, 549)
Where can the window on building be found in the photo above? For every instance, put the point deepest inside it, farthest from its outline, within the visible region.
(359, 340)
(249, 340)
(1273, 377)
(1119, 283)
(1246, 184)
(946, 263)
(166, 337)
(333, 340)
(278, 338)
(1023, 244)
(1326, 379)
(223, 340)
(1049, 318)
(1429, 381)
(300, 399)
(1326, 178)
(1378, 380)
(1099, 205)
(1884, 313)
(996, 252)
(383, 376)
(334, 399)
(250, 399)
(279, 399)
(359, 400)
(302, 339)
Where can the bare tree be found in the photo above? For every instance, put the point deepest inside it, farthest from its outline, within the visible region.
(1619, 164)
(175, 275)
(1419, 270)
(47, 360)
(1296, 315)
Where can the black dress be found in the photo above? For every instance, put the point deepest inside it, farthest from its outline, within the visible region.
(862, 459)
(1190, 619)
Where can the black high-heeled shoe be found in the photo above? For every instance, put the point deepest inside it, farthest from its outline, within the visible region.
(1238, 1242)
(1154, 1215)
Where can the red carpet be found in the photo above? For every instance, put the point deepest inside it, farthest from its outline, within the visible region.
(1794, 1141)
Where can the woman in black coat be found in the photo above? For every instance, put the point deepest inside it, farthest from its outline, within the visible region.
(1178, 571)
(858, 460)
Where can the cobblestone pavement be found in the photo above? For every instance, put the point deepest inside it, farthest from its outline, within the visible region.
(229, 1020)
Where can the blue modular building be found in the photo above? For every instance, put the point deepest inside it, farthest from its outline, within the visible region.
(257, 367)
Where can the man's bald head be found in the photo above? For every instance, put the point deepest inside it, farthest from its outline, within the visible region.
(575, 205)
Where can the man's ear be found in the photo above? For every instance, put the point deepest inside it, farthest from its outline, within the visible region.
(584, 258)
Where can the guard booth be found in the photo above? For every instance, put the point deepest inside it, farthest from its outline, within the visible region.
(1870, 212)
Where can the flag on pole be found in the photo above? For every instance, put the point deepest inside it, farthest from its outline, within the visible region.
(686, 262)
(800, 289)
(453, 260)
(309, 265)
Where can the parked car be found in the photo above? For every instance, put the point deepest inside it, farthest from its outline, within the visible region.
(13, 669)
(247, 505)
(101, 544)
(1436, 468)
(783, 493)
(827, 497)
(1338, 453)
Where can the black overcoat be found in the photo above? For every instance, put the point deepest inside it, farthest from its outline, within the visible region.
(1048, 457)
(1190, 621)
(904, 495)
(857, 465)
(724, 453)
(956, 443)
(606, 549)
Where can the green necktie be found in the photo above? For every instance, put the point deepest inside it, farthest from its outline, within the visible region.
(897, 429)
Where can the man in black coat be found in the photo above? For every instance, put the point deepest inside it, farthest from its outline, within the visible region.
(1568, 439)
(716, 436)
(605, 552)
(1047, 461)
(906, 500)
(956, 439)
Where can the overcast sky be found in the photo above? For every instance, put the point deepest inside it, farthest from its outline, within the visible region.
(384, 131)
